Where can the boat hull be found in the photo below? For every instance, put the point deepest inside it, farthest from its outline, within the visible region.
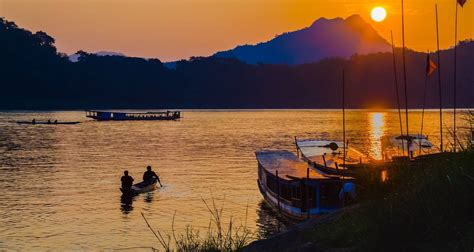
(47, 123)
(139, 188)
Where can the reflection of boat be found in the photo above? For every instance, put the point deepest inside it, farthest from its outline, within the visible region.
(394, 147)
(141, 187)
(46, 122)
(269, 222)
(289, 185)
(328, 156)
(133, 116)
(126, 203)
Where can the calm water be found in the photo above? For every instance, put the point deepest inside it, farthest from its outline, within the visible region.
(60, 184)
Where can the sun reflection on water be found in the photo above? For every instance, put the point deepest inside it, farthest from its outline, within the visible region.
(377, 129)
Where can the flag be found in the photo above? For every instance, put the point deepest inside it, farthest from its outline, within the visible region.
(461, 2)
(430, 66)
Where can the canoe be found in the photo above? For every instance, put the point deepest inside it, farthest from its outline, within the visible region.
(48, 123)
(141, 187)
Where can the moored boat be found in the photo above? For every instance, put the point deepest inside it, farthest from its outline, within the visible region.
(141, 187)
(328, 156)
(46, 122)
(296, 190)
(133, 116)
(395, 147)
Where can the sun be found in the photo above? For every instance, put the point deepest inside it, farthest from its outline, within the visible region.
(378, 14)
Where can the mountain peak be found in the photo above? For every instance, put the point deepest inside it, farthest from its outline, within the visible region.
(325, 38)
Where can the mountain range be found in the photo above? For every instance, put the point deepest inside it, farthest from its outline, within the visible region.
(325, 38)
(34, 75)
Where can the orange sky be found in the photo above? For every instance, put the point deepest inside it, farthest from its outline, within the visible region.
(176, 29)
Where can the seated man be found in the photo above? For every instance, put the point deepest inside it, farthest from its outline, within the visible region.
(149, 174)
(127, 181)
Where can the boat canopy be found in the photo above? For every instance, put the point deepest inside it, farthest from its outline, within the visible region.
(327, 153)
(288, 165)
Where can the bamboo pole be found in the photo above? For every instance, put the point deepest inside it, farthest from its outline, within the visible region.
(455, 72)
(307, 193)
(439, 85)
(396, 88)
(343, 118)
(405, 79)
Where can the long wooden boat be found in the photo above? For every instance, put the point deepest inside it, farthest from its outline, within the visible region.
(133, 116)
(141, 187)
(328, 156)
(394, 147)
(46, 122)
(297, 190)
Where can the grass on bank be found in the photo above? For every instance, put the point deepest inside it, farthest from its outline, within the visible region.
(425, 205)
(219, 237)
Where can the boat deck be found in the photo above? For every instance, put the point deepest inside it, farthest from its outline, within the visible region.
(288, 165)
(319, 152)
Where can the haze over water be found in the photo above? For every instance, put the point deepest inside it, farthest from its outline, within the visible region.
(60, 183)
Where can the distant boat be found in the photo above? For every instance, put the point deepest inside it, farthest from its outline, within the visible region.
(328, 156)
(45, 122)
(141, 187)
(393, 146)
(291, 187)
(133, 116)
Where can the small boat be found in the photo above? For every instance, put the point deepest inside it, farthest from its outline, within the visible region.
(133, 116)
(46, 122)
(395, 147)
(298, 191)
(141, 187)
(328, 156)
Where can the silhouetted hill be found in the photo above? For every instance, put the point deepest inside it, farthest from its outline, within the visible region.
(323, 39)
(34, 76)
(75, 57)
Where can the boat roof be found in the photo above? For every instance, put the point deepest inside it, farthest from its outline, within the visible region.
(289, 166)
(315, 149)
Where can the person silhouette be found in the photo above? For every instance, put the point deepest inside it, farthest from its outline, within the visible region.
(127, 181)
(149, 175)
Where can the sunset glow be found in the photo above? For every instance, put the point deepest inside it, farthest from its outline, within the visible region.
(172, 30)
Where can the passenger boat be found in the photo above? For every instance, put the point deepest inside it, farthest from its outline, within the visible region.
(328, 156)
(133, 116)
(294, 189)
(46, 122)
(141, 187)
(395, 147)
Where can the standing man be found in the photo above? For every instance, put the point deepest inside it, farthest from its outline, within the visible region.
(127, 181)
(149, 175)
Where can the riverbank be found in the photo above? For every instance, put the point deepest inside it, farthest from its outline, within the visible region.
(422, 205)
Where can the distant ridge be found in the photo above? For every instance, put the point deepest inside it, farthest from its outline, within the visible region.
(325, 38)
(75, 57)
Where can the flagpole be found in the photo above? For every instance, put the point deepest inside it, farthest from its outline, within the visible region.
(439, 85)
(405, 80)
(396, 88)
(424, 104)
(455, 72)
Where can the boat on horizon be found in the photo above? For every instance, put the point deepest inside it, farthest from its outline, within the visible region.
(133, 116)
(291, 187)
(33, 122)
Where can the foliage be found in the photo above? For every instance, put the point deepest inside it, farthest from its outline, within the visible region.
(423, 206)
(217, 238)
